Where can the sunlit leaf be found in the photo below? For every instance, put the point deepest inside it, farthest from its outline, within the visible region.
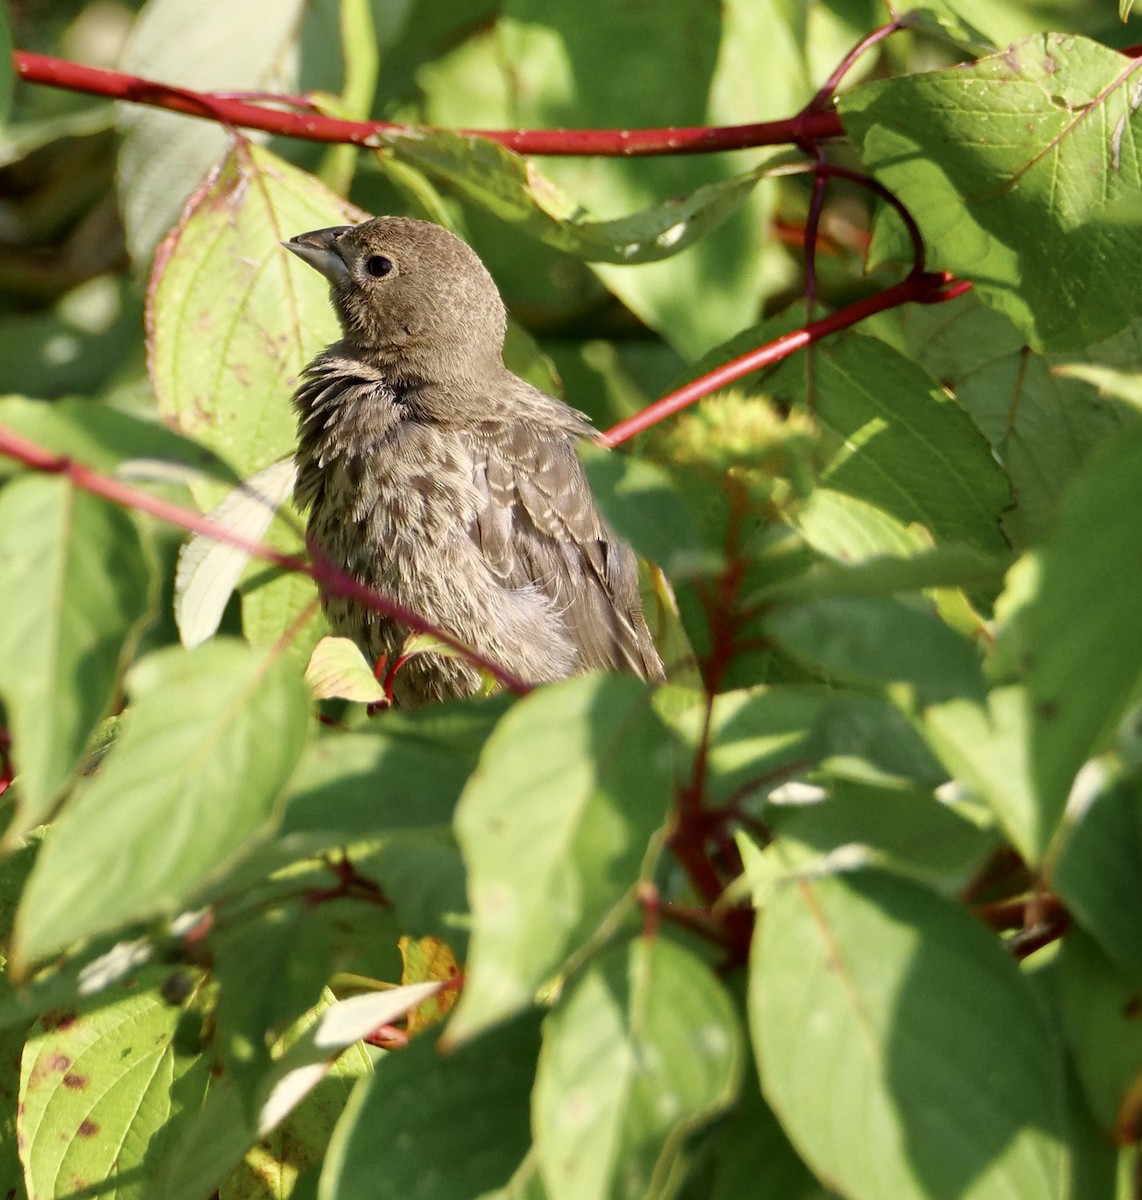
(74, 587)
(209, 569)
(209, 740)
(233, 315)
(114, 1074)
(555, 826)
(1022, 171)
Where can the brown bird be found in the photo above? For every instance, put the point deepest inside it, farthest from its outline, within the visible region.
(435, 475)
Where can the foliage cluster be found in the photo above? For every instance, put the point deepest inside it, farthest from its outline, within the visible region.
(851, 906)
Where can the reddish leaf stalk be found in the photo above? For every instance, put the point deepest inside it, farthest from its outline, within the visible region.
(922, 287)
(333, 580)
(824, 96)
(803, 128)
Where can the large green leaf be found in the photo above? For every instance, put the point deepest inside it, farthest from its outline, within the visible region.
(121, 1078)
(74, 588)
(103, 437)
(899, 1045)
(903, 828)
(760, 737)
(303, 1096)
(1099, 1006)
(881, 640)
(1023, 173)
(197, 775)
(436, 1126)
(907, 448)
(555, 826)
(984, 745)
(1082, 636)
(644, 1048)
(233, 315)
(1040, 414)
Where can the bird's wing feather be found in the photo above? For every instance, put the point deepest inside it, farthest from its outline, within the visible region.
(539, 527)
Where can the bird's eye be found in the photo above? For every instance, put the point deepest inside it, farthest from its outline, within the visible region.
(377, 265)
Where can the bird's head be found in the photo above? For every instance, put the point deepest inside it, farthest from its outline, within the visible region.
(410, 295)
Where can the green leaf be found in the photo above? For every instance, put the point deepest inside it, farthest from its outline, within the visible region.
(382, 781)
(642, 503)
(197, 774)
(752, 1156)
(234, 316)
(903, 828)
(940, 1068)
(1081, 634)
(217, 46)
(1098, 874)
(850, 529)
(209, 570)
(1041, 419)
(271, 968)
(1100, 1008)
(986, 746)
(514, 189)
(555, 826)
(74, 590)
(614, 1099)
(121, 1078)
(1023, 173)
(879, 576)
(337, 669)
(760, 737)
(436, 1126)
(907, 448)
(592, 64)
(307, 1089)
(882, 641)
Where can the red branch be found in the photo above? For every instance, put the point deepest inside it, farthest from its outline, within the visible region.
(922, 287)
(321, 571)
(75, 77)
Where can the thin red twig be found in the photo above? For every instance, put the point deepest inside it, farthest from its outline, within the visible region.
(922, 287)
(12, 445)
(114, 85)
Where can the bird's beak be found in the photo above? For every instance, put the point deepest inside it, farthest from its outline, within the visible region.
(320, 250)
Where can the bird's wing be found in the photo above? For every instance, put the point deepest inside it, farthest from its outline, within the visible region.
(538, 526)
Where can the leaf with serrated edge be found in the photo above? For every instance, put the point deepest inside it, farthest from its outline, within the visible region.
(1023, 173)
(512, 187)
(209, 46)
(233, 316)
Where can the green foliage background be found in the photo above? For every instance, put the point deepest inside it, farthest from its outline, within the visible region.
(906, 659)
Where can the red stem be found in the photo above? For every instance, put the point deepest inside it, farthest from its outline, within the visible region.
(325, 573)
(921, 287)
(75, 77)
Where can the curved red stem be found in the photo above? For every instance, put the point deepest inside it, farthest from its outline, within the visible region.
(75, 77)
